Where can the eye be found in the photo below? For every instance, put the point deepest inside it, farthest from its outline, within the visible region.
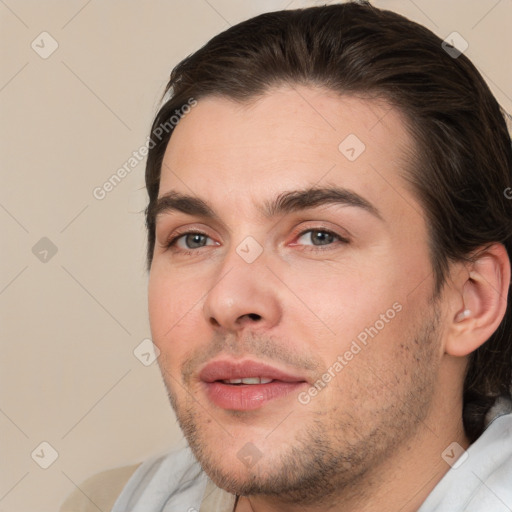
(319, 237)
(189, 241)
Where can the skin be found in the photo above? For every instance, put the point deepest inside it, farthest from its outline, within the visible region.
(372, 439)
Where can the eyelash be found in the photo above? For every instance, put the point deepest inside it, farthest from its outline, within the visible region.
(170, 244)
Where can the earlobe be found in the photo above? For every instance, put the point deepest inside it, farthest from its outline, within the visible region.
(484, 301)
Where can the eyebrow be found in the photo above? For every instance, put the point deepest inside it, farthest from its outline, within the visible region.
(285, 202)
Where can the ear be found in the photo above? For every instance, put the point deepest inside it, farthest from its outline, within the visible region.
(482, 302)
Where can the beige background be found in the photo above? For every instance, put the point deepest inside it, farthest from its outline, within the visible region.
(69, 325)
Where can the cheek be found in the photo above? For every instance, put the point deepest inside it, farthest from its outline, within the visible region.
(363, 306)
(159, 304)
(173, 307)
(345, 296)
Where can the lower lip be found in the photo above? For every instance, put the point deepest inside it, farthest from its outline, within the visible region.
(247, 397)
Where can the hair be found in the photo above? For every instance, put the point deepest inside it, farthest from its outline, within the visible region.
(462, 155)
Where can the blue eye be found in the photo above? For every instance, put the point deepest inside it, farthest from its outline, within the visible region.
(189, 242)
(192, 240)
(319, 236)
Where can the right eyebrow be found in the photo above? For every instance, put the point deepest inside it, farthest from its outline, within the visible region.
(175, 201)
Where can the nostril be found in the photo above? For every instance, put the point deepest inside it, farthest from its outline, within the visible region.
(253, 316)
(214, 322)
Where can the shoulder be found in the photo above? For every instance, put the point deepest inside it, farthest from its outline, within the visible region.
(482, 480)
(99, 491)
(172, 478)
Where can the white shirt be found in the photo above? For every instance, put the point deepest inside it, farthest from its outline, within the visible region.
(480, 482)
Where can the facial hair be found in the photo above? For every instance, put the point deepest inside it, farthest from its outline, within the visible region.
(336, 449)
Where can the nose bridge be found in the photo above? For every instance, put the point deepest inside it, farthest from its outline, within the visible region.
(242, 292)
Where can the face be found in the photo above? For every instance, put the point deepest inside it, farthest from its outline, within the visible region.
(298, 341)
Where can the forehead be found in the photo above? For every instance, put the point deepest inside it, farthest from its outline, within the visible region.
(290, 137)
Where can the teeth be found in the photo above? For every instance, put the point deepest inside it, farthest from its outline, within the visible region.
(251, 380)
(248, 380)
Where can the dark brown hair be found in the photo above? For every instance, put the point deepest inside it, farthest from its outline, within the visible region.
(463, 156)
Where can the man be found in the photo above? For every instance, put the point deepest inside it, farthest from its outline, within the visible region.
(329, 241)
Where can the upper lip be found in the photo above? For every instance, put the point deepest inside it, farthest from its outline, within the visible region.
(226, 370)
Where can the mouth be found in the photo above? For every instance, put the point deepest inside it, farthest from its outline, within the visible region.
(246, 385)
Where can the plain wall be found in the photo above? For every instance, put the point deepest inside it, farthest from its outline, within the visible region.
(70, 323)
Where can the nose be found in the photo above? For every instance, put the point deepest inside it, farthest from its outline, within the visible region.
(243, 296)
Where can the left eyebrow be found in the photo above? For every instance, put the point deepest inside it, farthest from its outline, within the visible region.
(296, 200)
(286, 202)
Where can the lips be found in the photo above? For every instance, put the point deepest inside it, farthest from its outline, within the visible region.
(246, 385)
(227, 370)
